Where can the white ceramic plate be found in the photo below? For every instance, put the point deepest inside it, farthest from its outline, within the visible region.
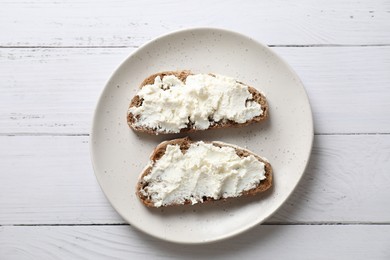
(119, 154)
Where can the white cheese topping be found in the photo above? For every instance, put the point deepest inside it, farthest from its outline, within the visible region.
(170, 105)
(203, 170)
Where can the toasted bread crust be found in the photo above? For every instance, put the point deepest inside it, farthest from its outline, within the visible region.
(185, 143)
(182, 75)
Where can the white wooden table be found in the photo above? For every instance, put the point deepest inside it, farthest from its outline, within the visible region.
(55, 57)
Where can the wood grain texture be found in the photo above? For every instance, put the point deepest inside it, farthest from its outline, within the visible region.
(348, 174)
(56, 90)
(131, 23)
(55, 58)
(348, 88)
(53, 90)
(49, 180)
(124, 242)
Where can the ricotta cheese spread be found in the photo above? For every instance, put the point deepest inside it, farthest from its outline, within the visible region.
(169, 105)
(204, 170)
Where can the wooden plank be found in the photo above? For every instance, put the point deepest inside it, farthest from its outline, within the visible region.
(53, 90)
(131, 23)
(347, 180)
(124, 242)
(49, 180)
(348, 88)
(56, 90)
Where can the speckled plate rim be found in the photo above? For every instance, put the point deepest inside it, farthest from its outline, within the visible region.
(146, 45)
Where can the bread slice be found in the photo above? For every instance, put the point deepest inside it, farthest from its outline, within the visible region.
(184, 145)
(257, 97)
